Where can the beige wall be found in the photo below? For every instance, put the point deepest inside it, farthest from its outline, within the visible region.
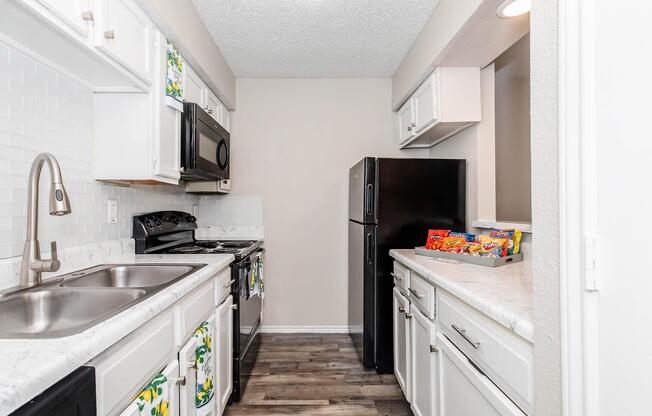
(293, 142)
(179, 20)
(513, 190)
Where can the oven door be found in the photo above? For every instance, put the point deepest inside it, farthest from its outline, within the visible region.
(208, 147)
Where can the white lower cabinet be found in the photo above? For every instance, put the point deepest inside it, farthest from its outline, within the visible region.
(425, 366)
(188, 375)
(165, 404)
(402, 342)
(465, 390)
(224, 353)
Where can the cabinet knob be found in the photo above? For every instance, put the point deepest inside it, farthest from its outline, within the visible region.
(109, 34)
(88, 16)
(414, 124)
(408, 315)
(434, 348)
(409, 128)
(401, 309)
(181, 381)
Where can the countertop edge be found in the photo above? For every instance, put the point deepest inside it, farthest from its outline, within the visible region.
(521, 326)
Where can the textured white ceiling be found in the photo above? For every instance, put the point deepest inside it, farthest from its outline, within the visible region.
(314, 38)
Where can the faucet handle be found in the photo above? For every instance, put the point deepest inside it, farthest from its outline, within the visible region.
(54, 262)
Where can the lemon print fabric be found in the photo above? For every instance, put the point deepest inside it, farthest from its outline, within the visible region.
(205, 390)
(154, 400)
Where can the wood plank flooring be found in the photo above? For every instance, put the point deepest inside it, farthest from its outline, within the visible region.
(314, 374)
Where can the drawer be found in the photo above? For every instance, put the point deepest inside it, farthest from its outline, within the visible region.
(223, 285)
(506, 358)
(422, 294)
(401, 277)
(122, 370)
(192, 310)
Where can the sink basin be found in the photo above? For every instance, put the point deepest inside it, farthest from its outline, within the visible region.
(55, 312)
(131, 276)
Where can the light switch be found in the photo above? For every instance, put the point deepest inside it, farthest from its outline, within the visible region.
(113, 211)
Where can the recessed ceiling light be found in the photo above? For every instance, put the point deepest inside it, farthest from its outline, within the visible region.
(513, 8)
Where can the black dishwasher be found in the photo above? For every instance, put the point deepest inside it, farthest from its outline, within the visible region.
(74, 395)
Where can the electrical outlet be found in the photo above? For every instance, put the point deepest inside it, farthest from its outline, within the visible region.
(195, 209)
(113, 211)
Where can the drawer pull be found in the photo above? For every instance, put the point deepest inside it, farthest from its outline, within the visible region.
(109, 34)
(408, 315)
(434, 348)
(227, 285)
(192, 365)
(401, 309)
(181, 381)
(462, 333)
(415, 293)
(398, 279)
(88, 16)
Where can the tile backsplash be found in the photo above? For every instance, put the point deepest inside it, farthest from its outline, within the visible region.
(42, 110)
(231, 216)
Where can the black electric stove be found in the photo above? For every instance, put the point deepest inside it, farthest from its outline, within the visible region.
(173, 232)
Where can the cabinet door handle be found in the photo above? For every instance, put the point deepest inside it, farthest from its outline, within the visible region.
(181, 381)
(414, 124)
(398, 279)
(463, 334)
(415, 293)
(227, 285)
(192, 365)
(409, 128)
(401, 309)
(88, 16)
(408, 315)
(109, 34)
(434, 348)
(234, 307)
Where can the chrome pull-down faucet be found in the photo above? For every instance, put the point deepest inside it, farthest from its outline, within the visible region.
(32, 265)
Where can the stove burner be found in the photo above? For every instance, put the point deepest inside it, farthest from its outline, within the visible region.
(187, 250)
(207, 243)
(235, 244)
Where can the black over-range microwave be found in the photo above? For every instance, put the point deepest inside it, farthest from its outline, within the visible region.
(205, 147)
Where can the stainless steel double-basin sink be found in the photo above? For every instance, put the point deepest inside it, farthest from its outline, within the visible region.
(82, 299)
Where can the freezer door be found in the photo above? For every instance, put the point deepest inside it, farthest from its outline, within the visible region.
(362, 265)
(362, 190)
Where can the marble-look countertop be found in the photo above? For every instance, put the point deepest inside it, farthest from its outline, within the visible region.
(30, 366)
(503, 293)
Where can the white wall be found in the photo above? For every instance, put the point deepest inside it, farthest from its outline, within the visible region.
(544, 48)
(293, 142)
(43, 111)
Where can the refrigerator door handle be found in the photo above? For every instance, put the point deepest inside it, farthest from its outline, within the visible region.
(369, 199)
(369, 246)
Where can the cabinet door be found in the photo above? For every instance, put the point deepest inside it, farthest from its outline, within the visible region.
(167, 120)
(213, 105)
(171, 373)
(406, 122)
(224, 356)
(187, 372)
(425, 368)
(426, 103)
(124, 32)
(402, 342)
(465, 391)
(70, 12)
(226, 119)
(194, 87)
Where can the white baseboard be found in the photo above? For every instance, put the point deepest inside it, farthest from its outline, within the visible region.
(306, 329)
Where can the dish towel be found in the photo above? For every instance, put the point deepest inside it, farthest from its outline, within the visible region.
(205, 390)
(174, 78)
(255, 281)
(154, 400)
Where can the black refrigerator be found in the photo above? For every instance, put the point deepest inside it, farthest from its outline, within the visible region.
(392, 204)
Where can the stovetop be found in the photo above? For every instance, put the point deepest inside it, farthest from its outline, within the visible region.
(237, 247)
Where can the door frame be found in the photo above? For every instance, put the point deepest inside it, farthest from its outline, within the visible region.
(578, 232)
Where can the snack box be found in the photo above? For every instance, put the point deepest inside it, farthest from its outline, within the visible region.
(480, 261)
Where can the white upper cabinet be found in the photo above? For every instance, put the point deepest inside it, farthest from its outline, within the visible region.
(75, 13)
(226, 119)
(447, 102)
(124, 32)
(194, 88)
(137, 135)
(213, 106)
(406, 122)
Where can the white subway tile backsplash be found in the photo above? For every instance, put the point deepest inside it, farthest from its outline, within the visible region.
(42, 110)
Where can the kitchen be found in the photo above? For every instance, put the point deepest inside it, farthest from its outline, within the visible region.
(282, 99)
